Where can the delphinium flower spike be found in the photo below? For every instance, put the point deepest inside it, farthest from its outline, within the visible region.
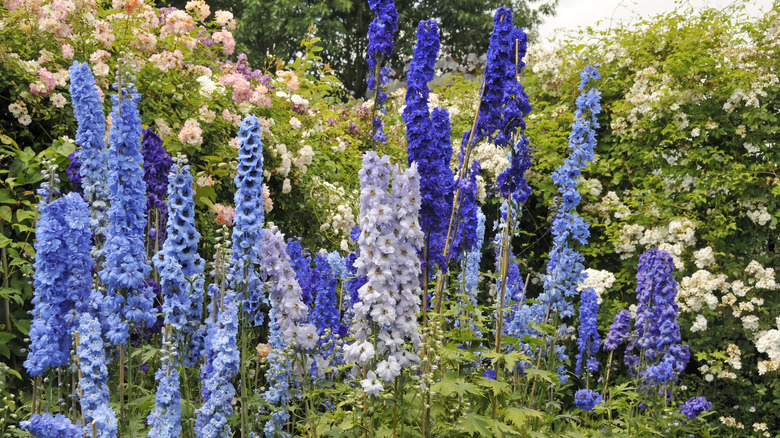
(48, 426)
(157, 164)
(222, 366)
(428, 138)
(469, 277)
(380, 49)
(588, 339)
(125, 254)
(166, 417)
(94, 381)
(285, 293)
(565, 269)
(301, 263)
(389, 300)
(325, 314)
(618, 331)
(278, 377)
(661, 356)
(249, 218)
(93, 158)
(179, 265)
(62, 281)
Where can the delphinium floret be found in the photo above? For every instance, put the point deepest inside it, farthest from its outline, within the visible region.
(90, 137)
(695, 406)
(62, 281)
(587, 399)
(278, 377)
(126, 265)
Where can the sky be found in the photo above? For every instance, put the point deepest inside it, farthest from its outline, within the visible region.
(572, 14)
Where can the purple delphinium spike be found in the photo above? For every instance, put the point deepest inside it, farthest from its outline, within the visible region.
(157, 164)
(249, 218)
(326, 315)
(73, 172)
(93, 158)
(62, 281)
(504, 101)
(380, 49)
(618, 331)
(428, 138)
(661, 357)
(588, 339)
(126, 265)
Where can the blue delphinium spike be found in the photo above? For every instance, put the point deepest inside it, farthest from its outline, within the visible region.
(223, 365)
(166, 417)
(471, 271)
(126, 265)
(249, 218)
(179, 265)
(62, 281)
(48, 426)
(93, 158)
(565, 268)
(588, 339)
(94, 381)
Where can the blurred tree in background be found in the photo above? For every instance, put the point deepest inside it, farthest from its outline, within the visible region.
(272, 30)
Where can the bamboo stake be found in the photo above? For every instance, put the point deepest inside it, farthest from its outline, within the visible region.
(121, 387)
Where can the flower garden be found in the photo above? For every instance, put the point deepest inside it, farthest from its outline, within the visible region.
(568, 240)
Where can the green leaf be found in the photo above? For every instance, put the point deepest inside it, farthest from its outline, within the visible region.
(496, 386)
(547, 376)
(474, 423)
(519, 415)
(457, 385)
